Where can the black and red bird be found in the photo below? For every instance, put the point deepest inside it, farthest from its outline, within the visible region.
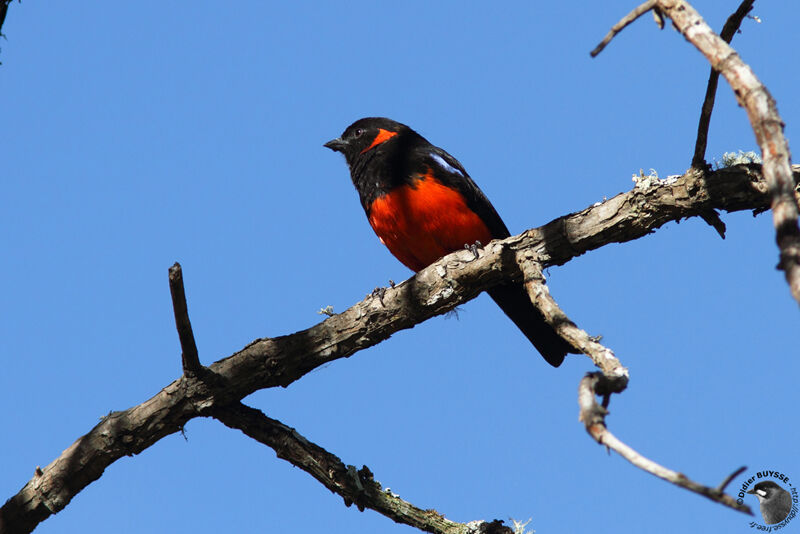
(423, 205)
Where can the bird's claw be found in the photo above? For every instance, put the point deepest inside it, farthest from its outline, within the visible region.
(474, 248)
(378, 293)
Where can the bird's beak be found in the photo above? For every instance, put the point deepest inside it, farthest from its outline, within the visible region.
(337, 145)
(752, 491)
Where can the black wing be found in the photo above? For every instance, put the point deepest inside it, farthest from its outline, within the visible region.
(451, 173)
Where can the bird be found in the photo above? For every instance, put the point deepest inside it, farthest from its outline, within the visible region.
(423, 205)
(775, 502)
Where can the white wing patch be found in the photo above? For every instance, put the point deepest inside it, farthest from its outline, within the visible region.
(443, 164)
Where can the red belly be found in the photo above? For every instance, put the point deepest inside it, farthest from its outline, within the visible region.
(421, 223)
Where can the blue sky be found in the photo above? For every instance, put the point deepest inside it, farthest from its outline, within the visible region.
(139, 135)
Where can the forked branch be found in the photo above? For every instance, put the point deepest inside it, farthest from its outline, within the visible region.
(728, 31)
(764, 119)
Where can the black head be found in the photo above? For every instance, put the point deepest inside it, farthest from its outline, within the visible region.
(765, 490)
(367, 135)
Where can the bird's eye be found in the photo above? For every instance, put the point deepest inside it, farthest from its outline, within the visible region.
(358, 133)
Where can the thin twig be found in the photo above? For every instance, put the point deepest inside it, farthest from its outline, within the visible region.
(592, 415)
(357, 487)
(729, 478)
(3, 11)
(189, 357)
(619, 26)
(728, 31)
(602, 357)
(712, 219)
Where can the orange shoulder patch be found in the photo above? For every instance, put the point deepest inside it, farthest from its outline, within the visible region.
(382, 137)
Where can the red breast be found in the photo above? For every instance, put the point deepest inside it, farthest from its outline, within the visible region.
(425, 220)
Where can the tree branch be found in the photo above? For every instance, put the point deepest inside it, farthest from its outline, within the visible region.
(437, 289)
(698, 160)
(3, 12)
(628, 19)
(357, 487)
(729, 478)
(764, 119)
(189, 358)
(601, 356)
(728, 31)
(614, 379)
(767, 125)
(592, 415)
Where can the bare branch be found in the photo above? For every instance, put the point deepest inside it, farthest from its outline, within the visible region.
(189, 357)
(602, 357)
(357, 487)
(767, 125)
(3, 11)
(622, 24)
(437, 289)
(613, 380)
(593, 415)
(728, 31)
(711, 218)
(729, 478)
(764, 118)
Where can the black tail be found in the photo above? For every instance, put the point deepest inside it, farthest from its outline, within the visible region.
(514, 301)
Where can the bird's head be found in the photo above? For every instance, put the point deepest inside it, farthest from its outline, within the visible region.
(366, 135)
(766, 490)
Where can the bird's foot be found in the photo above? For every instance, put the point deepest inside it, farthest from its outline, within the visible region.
(474, 248)
(378, 293)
